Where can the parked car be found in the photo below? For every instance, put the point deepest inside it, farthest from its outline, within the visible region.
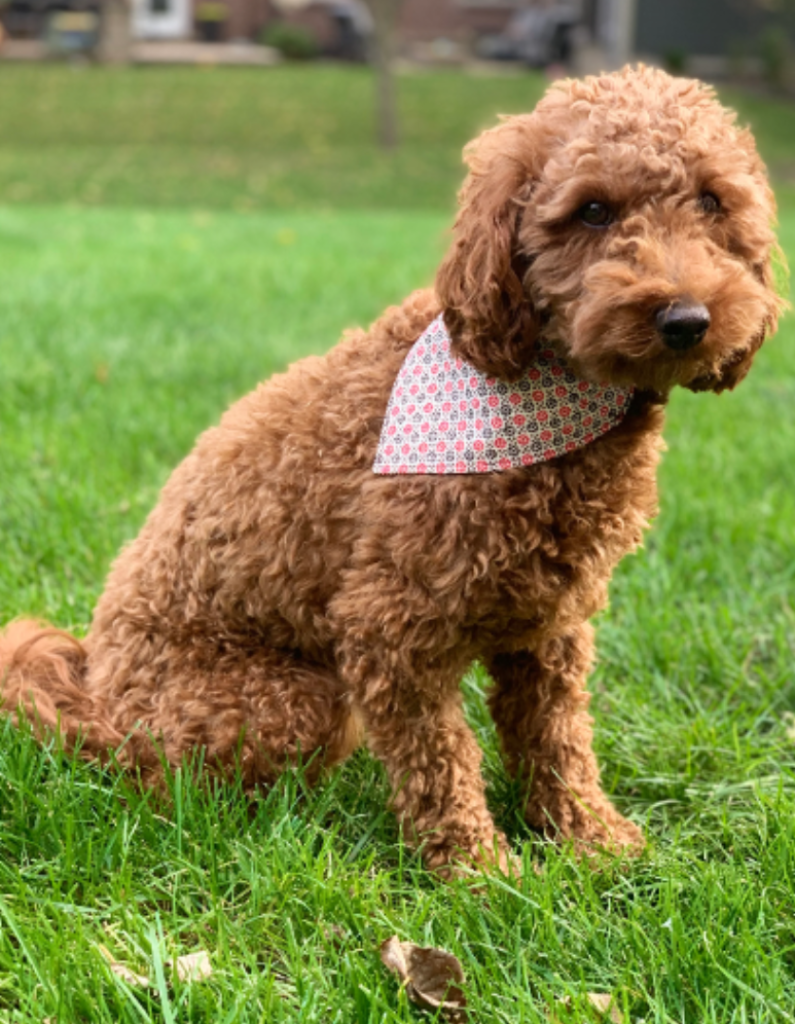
(537, 36)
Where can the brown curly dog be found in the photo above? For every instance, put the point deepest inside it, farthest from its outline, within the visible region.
(284, 601)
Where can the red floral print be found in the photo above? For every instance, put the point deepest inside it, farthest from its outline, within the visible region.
(545, 414)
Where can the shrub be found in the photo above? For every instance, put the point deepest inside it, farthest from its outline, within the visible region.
(293, 41)
(675, 61)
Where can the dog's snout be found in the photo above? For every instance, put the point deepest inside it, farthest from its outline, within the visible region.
(682, 324)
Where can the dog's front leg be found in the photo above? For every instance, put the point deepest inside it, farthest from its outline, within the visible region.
(411, 707)
(539, 706)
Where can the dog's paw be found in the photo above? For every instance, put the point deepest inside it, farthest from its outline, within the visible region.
(591, 825)
(616, 835)
(483, 854)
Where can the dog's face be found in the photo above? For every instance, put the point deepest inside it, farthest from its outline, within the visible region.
(627, 219)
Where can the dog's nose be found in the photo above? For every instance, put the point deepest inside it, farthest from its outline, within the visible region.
(682, 324)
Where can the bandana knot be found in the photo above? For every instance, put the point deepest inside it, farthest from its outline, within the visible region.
(444, 416)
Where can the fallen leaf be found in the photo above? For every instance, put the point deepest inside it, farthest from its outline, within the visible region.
(334, 934)
(193, 966)
(136, 980)
(602, 1002)
(431, 976)
(605, 1004)
(789, 724)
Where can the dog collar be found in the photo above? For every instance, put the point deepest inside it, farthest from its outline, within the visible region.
(444, 416)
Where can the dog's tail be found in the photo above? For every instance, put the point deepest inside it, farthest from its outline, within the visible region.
(42, 677)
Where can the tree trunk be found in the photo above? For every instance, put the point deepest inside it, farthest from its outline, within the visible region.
(385, 14)
(115, 34)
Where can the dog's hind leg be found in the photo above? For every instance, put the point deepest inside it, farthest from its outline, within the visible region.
(149, 700)
(539, 706)
(257, 711)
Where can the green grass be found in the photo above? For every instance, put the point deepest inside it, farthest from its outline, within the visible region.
(288, 137)
(125, 331)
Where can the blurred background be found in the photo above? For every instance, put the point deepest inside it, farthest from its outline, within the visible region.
(283, 103)
(717, 37)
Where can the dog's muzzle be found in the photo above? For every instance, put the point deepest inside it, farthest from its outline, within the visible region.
(682, 325)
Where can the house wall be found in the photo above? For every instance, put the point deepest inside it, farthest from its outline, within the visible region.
(426, 20)
(421, 21)
(315, 18)
(246, 18)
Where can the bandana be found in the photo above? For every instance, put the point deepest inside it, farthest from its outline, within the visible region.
(444, 416)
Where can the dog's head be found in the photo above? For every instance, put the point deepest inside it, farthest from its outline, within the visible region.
(628, 220)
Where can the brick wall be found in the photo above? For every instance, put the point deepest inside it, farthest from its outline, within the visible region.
(420, 20)
(246, 18)
(427, 20)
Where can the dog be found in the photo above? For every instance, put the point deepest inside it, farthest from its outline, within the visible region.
(453, 485)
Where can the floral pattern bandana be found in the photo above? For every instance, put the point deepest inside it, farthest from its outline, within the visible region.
(444, 416)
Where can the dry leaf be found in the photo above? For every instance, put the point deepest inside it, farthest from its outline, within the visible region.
(193, 966)
(789, 724)
(136, 980)
(602, 1002)
(431, 976)
(605, 1004)
(334, 934)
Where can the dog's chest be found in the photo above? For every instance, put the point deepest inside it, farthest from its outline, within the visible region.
(553, 546)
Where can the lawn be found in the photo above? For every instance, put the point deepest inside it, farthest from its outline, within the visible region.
(286, 138)
(155, 265)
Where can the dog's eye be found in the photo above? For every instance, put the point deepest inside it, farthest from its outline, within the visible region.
(709, 202)
(595, 215)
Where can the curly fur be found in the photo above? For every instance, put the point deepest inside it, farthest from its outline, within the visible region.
(282, 601)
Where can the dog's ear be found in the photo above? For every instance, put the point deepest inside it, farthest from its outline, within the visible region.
(482, 281)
